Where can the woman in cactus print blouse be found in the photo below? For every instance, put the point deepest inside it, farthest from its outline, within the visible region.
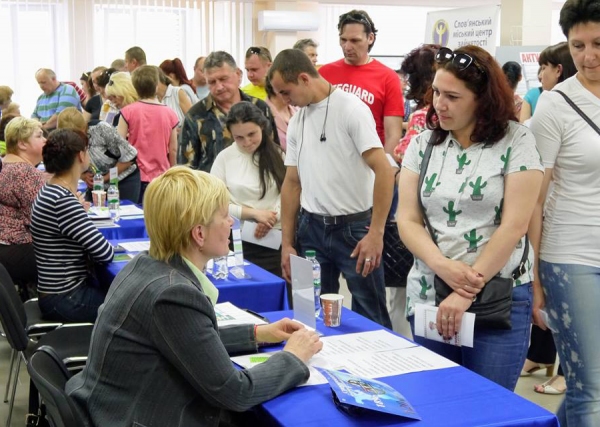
(479, 192)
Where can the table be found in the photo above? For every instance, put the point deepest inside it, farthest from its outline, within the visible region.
(452, 397)
(129, 228)
(260, 291)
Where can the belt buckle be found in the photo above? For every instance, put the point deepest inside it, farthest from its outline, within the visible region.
(330, 220)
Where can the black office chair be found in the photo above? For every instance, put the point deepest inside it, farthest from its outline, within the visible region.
(36, 326)
(49, 374)
(71, 343)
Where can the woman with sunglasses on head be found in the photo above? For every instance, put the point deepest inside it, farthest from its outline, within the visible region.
(478, 191)
(67, 245)
(566, 222)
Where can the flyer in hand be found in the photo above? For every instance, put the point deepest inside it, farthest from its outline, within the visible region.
(355, 394)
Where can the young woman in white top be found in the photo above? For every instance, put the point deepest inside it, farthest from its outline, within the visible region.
(253, 170)
(567, 237)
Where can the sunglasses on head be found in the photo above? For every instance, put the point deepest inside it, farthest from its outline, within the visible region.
(358, 18)
(460, 60)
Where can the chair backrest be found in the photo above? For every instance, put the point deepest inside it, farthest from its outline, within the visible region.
(12, 313)
(49, 374)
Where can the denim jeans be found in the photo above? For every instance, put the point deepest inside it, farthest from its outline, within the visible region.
(333, 245)
(79, 305)
(497, 354)
(572, 301)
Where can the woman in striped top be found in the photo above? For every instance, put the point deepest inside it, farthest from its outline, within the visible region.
(66, 243)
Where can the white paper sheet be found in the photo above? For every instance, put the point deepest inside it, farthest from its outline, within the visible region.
(271, 240)
(395, 362)
(425, 326)
(140, 246)
(228, 314)
(130, 210)
(338, 346)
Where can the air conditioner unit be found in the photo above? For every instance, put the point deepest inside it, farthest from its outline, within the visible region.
(287, 20)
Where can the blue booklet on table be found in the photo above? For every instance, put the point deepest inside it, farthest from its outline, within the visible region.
(354, 395)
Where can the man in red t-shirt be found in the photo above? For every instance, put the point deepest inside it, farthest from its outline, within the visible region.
(375, 84)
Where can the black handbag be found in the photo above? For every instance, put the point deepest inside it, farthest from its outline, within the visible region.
(492, 306)
(397, 259)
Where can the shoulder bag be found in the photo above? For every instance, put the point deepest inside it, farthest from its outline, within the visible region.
(492, 306)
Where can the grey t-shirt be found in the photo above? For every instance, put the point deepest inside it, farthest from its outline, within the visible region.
(463, 193)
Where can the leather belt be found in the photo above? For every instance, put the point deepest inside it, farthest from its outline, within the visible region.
(340, 219)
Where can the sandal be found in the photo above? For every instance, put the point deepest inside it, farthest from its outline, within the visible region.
(536, 367)
(550, 388)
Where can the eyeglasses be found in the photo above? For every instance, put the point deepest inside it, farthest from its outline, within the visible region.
(356, 17)
(460, 60)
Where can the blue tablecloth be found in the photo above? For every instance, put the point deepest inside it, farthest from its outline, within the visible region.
(259, 291)
(128, 228)
(445, 397)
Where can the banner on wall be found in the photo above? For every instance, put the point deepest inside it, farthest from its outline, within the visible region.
(454, 28)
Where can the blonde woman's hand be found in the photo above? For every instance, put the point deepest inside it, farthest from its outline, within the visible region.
(266, 217)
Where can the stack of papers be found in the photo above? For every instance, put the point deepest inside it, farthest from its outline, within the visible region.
(131, 211)
(142, 245)
(101, 217)
(373, 354)
(228, 314)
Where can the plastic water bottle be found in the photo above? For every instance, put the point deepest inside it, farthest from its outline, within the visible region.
(98, 182)
(112, 195)
(312, 257)
(220, 269)
(41, 167)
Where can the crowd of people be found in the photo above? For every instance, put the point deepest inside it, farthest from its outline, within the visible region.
(490, 189)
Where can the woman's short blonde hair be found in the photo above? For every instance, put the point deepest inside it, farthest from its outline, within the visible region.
(19, 129)
(120, 85)
(71, 118)
(176, 202)
(5, 94)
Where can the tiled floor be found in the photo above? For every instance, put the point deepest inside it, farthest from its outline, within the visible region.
(524, 386)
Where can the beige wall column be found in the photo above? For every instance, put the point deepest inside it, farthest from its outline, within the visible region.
(526, 22)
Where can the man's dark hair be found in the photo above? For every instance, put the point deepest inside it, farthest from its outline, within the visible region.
(358, 17)
(512, 71)
(136, 53)
(289, 63)
(576, 12)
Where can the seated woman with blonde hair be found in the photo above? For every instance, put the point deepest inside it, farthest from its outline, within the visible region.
(20, 182)
(157, 334)
(107, 150)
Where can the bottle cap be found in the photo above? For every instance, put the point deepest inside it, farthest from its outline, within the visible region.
(311, 254)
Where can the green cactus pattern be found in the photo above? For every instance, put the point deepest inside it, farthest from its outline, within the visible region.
(477, 186)
(462, 187)
(505, 159)
(429, 185)
(452, 214)
(473, 240)
(523, 168)
(424, 288)
(462, 162)
(498, 217)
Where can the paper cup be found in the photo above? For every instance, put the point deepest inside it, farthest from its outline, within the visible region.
(332, 309)
(99, 198)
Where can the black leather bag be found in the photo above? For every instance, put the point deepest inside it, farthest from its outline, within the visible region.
(492, 306)
(397, 259)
